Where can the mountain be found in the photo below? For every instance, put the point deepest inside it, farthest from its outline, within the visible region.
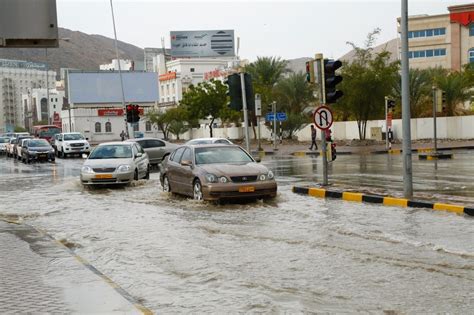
(390, 46)
(80, 51)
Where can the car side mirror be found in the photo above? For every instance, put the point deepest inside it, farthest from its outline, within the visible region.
(258, 159)
(186, 163)
(139, 154)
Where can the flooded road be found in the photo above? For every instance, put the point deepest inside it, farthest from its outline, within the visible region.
(294, 254)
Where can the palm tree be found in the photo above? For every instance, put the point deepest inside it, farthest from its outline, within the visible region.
(457, 89)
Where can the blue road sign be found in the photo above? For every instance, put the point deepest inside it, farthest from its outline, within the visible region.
(279, 117)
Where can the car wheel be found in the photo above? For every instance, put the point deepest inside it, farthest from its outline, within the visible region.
(147, 175)
(135, 176)
(197, 190)
(166, 184)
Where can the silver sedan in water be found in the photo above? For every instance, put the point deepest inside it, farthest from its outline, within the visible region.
(115, 163)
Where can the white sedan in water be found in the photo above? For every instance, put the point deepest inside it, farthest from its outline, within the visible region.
(115, 163)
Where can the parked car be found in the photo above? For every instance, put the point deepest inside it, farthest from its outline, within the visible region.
(208, 141)
(19, 144)
(115, 163)
(69, 143)
(156, 149)
(3, 144)
(36, 150)
(216, 171)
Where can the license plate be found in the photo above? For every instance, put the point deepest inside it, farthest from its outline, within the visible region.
(103, 176)
(245, 189)
(42, 155)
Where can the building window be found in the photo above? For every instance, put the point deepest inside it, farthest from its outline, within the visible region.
(192, 69)
(108, 127)
(427, 53)
(471, 55)
(98, 127)
(148, 126)
(471, 29)
(427, 33)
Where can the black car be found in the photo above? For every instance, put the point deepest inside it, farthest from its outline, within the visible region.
(37, 150)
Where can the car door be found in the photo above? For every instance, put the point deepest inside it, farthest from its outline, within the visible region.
(156, 150)
(172, 168)
(184, 173)
(140, 161)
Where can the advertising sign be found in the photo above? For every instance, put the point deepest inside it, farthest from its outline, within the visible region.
(214, 43)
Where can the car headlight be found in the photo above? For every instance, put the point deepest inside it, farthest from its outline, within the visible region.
(270, 175)
(211, 178)
(223, 179)
(87, 169)
(67, 144)
(262, 177)
(123, 168)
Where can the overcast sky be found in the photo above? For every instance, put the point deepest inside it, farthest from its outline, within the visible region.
(289, 29)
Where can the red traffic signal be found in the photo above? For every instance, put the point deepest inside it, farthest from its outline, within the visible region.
(331, 80)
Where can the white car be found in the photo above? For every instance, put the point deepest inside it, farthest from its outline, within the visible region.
(115, 163)
(208, 141)
(69, 143)
(3, 144)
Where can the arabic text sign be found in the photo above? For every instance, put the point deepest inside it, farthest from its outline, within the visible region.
(279, 117)
(202, 43)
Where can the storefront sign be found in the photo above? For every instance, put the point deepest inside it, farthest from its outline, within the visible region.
(110, 112)
(168, 76)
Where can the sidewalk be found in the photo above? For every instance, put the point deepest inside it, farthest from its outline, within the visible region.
(348, 147)
(39, 275)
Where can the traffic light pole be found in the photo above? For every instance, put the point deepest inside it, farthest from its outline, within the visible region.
(406, 115)
(274, 105)
(320, 80)
(434, 121)
(386, 123)
(258, 113)
(244, 108)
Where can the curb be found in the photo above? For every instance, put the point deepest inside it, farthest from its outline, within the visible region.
(423, 150)
(318, 153)
(438, 156)
(94, 270)
(386, 201)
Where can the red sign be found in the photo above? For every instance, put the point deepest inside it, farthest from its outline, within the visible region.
(168, 76)
(110, 112)
(322, 117)
(213, 74)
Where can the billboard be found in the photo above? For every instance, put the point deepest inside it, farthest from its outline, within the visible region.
(216, 43)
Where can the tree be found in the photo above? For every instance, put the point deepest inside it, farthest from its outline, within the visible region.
(19, 129)
(206, 100)
(367, 80)
(158, 118)
(457, 88)
(294, 97)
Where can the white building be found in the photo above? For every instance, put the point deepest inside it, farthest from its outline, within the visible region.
(16, 78)
(95, 103)
(125, 65)
(35, 106)
(176, 77)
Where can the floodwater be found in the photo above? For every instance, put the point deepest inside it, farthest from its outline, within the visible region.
(294, 254)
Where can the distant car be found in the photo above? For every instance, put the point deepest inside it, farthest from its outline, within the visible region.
(156, 149)
(19, 144)
(3, 144)
(10, 147)
(37, 150)
(208, 141)
(69, 143)
(216, 171)
(115, 163)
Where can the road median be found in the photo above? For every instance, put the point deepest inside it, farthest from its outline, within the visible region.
(384, 200)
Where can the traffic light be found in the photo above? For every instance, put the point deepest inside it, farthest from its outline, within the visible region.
(443, 101)
(136, 113)
(310, 71)
(235, 91)
(331, 80)
(129, 112)
(390, 105)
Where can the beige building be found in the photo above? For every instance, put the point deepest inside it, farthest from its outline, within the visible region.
(445, 40)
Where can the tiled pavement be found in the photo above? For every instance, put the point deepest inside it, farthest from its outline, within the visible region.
(37, 275)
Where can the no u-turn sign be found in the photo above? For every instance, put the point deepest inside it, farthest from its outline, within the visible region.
(322, 117)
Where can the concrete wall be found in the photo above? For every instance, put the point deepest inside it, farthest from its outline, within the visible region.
(459, 127)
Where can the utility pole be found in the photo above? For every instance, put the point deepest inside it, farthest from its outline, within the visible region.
(320, 80)
(406, 116)
(47, 87)
(120, 72)
(274, 105)
(258, 113)
(434, 120)
(244, 108)
(386, 123)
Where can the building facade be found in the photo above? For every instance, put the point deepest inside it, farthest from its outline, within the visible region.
(35, 106)
(95, 103)
(445, 40)
(17, 78)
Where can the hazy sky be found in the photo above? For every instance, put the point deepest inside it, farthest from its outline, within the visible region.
(289, 29)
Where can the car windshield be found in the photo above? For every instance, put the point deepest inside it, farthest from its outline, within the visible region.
(4, 140)
(74, 136)
(38, 143)
(200, 142)
(111, 152)
(221, 155)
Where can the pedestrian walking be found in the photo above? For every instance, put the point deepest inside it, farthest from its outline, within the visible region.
(313, 138)
(122, 135)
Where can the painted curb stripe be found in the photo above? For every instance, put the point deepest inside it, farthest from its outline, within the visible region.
(396, 202)
(372, 199)
(394, 151)
(446, 207)
(387, 201)
(350, 196)
(317, 192)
